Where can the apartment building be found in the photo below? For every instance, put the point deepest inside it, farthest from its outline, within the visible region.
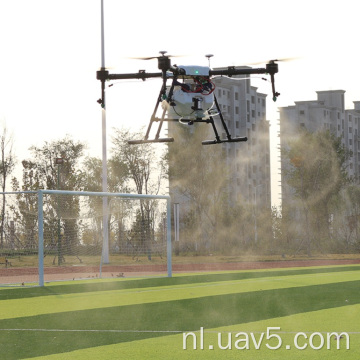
(326, 112)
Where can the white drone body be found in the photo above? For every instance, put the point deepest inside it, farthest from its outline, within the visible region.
(190, 98)
(194, 99)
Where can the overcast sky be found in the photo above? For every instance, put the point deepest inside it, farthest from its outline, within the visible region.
(50, 51)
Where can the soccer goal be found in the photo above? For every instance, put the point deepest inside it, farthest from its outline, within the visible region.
(54, 235)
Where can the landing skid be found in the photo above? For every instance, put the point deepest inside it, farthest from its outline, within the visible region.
(211, 142)
(159, 140)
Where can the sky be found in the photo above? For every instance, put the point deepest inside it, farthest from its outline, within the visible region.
(51, 50)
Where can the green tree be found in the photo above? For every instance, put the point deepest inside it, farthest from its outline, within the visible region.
(24, 210)
(142, 167)
(316, 174)
(347, 226)
(7, 166)
(41, 172)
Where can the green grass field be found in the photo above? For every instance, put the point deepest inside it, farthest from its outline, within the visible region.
(253, 312)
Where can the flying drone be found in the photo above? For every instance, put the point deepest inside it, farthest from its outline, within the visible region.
(190, 98)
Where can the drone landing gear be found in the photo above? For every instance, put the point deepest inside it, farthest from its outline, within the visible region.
(161, 97)
(159, 140)
(223, 123)
(166, 102)
(211, 142)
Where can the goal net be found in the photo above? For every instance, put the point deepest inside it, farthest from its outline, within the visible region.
(53, 235)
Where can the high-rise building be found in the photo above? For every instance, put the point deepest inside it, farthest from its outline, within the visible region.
(327, 112)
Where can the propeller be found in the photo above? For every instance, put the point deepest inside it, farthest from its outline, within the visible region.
(156, 57)
(274, 60)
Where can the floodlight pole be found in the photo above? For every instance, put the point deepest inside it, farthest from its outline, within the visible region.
(41, 237)
(255, 213)
(59, 162)
(105, 254)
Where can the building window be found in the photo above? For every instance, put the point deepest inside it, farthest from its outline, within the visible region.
(236, 110)
(237, 124)
(302, 112)
(263, 102)
(253, 99)
(350, 130)
(236, 96)
(253, 113)
(247, 86)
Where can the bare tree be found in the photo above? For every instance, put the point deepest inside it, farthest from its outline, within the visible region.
(6, 167)
(145, 171)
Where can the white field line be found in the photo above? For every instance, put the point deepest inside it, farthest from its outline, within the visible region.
(170, 331)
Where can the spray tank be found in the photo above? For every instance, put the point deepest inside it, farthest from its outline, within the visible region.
(193, 98)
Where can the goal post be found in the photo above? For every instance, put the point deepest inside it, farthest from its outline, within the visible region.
(70, 245)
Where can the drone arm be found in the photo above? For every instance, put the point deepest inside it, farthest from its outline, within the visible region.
(231, 71)
(140, 75)
(102, 76)
(275, 93)
(271, 68)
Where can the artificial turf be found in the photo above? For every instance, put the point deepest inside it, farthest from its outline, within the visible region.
(176, 305)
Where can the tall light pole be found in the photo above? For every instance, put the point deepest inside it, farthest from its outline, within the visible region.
(105, 253)
(59, 162)
(255, 213)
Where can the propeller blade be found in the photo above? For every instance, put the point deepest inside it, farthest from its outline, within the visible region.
(286, 59)
(274, 60)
